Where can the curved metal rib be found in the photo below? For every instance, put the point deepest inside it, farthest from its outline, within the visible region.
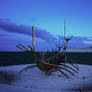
(26, 68)
(63, 73)
(67, 70)
(23, 46)
(69, 67)
(70, 62)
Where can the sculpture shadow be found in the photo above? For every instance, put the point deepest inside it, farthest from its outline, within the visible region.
(7, 77)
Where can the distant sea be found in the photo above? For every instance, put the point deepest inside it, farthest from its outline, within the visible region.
(17, 58)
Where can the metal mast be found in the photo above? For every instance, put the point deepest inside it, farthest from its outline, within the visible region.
(65, 39)
(64, 35)
(33, 36)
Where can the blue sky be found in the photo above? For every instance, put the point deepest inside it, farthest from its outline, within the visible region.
(47, 16)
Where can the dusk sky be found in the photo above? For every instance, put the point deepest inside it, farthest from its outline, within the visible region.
(47, 16)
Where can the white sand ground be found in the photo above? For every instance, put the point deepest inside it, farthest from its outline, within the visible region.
(34, 80)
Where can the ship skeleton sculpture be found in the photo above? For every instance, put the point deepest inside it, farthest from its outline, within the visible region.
(53, 63)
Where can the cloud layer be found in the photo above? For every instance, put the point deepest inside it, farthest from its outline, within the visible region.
(11, 33)
(26, 30)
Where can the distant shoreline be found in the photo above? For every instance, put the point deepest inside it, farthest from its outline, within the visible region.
(68, 50)
(79, 50)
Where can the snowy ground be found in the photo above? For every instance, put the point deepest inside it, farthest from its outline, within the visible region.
(34, 80)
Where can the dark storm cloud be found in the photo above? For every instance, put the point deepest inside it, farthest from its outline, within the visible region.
(26, 30)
